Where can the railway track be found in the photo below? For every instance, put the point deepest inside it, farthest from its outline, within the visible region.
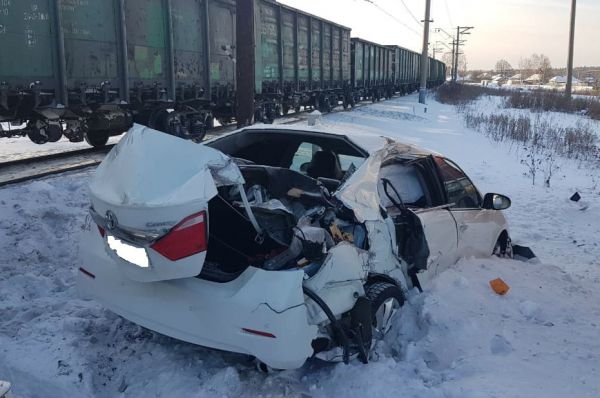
(21, 170)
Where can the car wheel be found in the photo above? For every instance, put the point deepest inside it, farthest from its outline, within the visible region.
(503, 248)
(386, 300)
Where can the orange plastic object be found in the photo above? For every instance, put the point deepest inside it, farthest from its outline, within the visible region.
(499, 286)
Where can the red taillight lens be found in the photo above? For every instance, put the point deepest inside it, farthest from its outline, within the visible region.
(102, 231)
(185, 239)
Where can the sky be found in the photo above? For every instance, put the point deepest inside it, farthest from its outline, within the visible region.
(509, 29)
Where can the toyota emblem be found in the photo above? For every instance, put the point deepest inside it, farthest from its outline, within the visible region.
(111, 220)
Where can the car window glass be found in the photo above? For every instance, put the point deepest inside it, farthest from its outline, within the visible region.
(303, 156)
(346, 161)
(405, 179)
(459, 188)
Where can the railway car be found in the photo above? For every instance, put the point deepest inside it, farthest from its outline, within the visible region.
(372, 70)
(89, 69)
(405, 69)
(301, 60)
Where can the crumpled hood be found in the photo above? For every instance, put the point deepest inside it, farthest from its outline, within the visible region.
(152, 169)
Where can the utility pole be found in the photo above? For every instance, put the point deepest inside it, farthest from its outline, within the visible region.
(453, 43)
(424, 63)
(245, 62)
(453, 57)
(570, 60)
(460, 30)
(455, 67)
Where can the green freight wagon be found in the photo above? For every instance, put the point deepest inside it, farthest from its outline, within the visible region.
(89, 69)
(301, 60)
(372, 70)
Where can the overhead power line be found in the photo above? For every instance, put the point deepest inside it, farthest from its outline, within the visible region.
(411, 14)
(448, 13)
(392, 16)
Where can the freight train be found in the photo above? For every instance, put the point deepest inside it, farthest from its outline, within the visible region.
(89, 69)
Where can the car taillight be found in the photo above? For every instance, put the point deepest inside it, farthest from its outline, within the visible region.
(185, 239)
(101, 230)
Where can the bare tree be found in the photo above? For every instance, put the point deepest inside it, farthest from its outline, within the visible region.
(462, 63)
(540, 64)
(502, 67)
(526, 67)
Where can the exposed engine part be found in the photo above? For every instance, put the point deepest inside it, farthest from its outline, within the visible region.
(308, 242)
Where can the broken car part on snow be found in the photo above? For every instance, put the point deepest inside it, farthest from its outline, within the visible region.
(280, 243)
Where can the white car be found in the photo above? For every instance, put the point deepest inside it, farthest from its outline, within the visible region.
(279, 242)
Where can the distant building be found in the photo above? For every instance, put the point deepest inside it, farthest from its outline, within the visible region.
(560, 81)
(533, 79)
(515, 79)
(589, 80)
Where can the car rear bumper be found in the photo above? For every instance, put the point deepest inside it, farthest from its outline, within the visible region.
(211, 314)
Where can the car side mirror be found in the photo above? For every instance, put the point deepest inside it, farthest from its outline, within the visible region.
(495, 201)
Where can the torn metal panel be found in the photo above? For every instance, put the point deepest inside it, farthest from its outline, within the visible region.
(339, 281)
(359, 192)
(157, 169)
(383, 251)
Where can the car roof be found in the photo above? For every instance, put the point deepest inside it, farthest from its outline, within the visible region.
(368, 141)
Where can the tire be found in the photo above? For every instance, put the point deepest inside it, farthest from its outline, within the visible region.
(384, 297)
(503, 247)
(96, 138)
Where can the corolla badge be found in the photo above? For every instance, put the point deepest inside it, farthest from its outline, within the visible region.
(111, 220)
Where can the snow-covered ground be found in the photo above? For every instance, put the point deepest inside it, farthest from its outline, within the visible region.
(458, 339)
(22, 148)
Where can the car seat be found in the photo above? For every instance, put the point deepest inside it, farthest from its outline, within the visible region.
(325, 164)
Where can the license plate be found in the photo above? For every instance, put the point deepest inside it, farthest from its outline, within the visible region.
(129, 253)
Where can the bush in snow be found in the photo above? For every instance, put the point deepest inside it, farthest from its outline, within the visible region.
(460, 94)
(543, 100)
(543, 141)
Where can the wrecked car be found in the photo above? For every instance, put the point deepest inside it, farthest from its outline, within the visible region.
(280, 242)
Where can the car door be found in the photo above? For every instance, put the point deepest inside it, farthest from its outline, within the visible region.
(415, 186)
(476, 226)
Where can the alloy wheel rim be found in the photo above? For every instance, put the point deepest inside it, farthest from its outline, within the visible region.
(383, 317)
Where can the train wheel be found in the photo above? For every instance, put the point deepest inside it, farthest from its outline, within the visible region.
(36, 136)
(40, 132)
(96, 138)
(54, 131)
(209, 122)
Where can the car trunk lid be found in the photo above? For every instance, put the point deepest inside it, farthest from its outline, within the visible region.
(151, 192)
